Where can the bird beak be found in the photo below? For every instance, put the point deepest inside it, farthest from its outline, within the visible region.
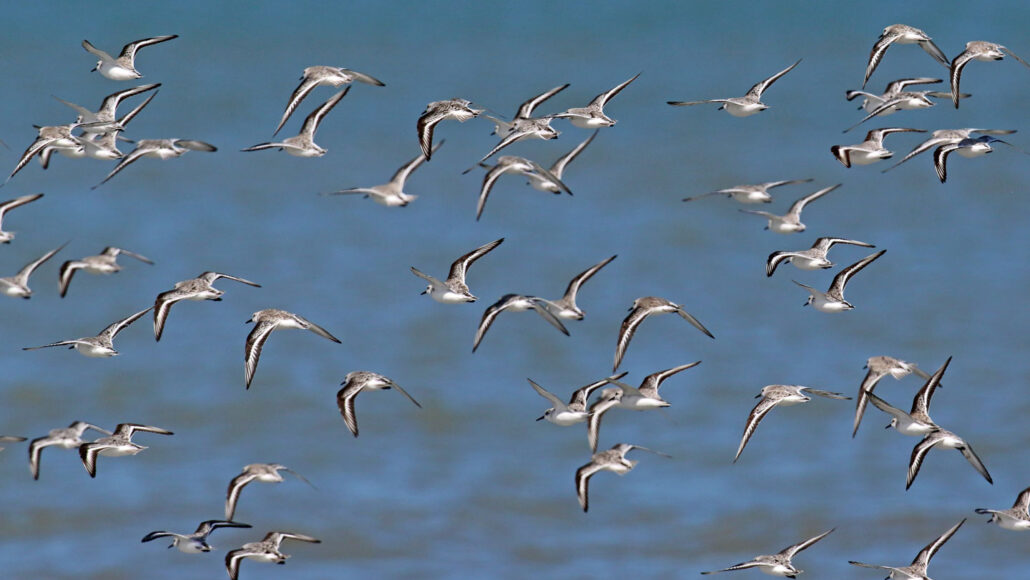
(249, 320)
(423, 292)
(540, 418)
(758, 395)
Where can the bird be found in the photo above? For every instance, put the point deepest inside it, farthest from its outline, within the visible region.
(778, 395)
(778, 564)
(609, 399)
(641, 309)
(540, 180)
(115, 445)
(504, 128)
(576, 410)
(69, 437)
(391, 194)
(454, 290)
(526, 128)
(104, 119)
(811, 259)
(197, 541)
(901, 34)
(872, 101)
(756, 193)
(790, 222)
(101, 345)
(879, 367)
(460, 110)
(103, 263)
(833, 299)
(515, 303)
(613, 460)
(122, 68)
(592, 116)
(199, 288)
(977, 50)
(513, 164)
(946, 137)
(266, 321)
(904, 101)
(869, 151)
(10, 439)
(6, 206)
(322, 76)
(565, 307)
(262, 472)
(354, 383)
(917, 569)
(916, 422)
(747, 105)
(646, 396)
(303, 144)
(159, 149)
(945, 439)
(267, 550)
(17, 286)
(1015, 518)
(968, 148)
(50, 137)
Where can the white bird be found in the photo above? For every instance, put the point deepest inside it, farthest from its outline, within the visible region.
(833, 299)
(968, 148)
(901, 34)
(122, 68)
(158, 149)
(641, 309)
(946, 137)
(811, 259)
(106, 117)
(51, 137)
(267, 550)
(17, 286)
(879, 367)
(353, 384)
(869, 151)
(514, 164)
(774, 396)
(565, 307)
(524, 125)
(69, 437)
(515, 303)
(104, 263)
(260, 472)
(460, 110)
(101, 345)
(116, 445)
(916, 422)
(197, 541)
(391, 194)
(267, 320)
(454, 290)
(917, 569)
(872, 101)
(1015, 518)
(303, 144)
(575, 411)
(541, 182)
(977, 50)
(790, 222)
(946, 440)
(752, 193)
(592, 116)
(613, 460)
(747, 105)
(322, 76)
(7, 236)
(778, 564)
(199, 288)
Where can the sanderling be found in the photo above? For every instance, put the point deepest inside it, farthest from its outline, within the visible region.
(391, 194)
(159, 149)
(266, 321)
(869, 151)
(504, 128)
(541, 182)
(197, 541)
(576, 411)
(646, 395)
(904, 101)
(609, 398)
(879, 367)
(122, 68)
(103, 263)
(871, 101)
(115, 445)
(778, 564)
(778, 395)
(614, 460)
(199, 288)
(756, 193)
(1015, 518)
(303, 144)
(641, 309)
(977, 50)
(790, 222)
(811, 259)
(901, 34)
(513, 164)
(105, 117)
(460, 110)
(69, 437)
(917, 569)
(833, 299)
(322, 76)
(454, 290)
(263, 472)
(566, 307)
(267, 550)
(17, 286)
(916, 422)
(592, 116)
(968, 148)
(353, 384)
(947, 440)
(945, 137)
(6, 237)
(747, 105)
(101, 345)
(51, 137)
(515, 303)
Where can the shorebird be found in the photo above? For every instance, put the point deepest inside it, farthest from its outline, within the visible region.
(391, 194)
(916, 422)
(904, 101)
(977, 50)
(104, 263)
(515, 303)
(646, 396)
(199, 288)
(322, 76)
(609, 399)
(116, 445)
(565, 307)
(504, 128)
(747, 105)
(778, 564)
(122, 68)
(303, 144)
(514, 164)
(778, 395)
(757, 193)
(7, 236)
(869, 151)
(1015, 518)
(541, 182)
(947, 137)
(534, 128)
(104, 119)
(833, 299)
(871, 101)
(262, 472)
(641, 309)
(790, 222)
(947, 440)
(453, 290)
(197, 541)
(266, 321)
(811, 259)
(354, 383)
(576, 411)
(917, 569)
(901, 34)
(17, 286)
(879, 367)
(51, 137)
(158, 149)
(101, 345)
(613, 460)
(69, 437)
(592, 116)
(267, 550)
(968, 148)
(460, 110)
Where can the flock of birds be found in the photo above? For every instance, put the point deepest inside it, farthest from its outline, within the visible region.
(97, 135)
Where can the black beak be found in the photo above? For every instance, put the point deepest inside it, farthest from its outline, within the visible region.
(540, 418)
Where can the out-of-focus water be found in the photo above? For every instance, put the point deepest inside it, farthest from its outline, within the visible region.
(470, 485)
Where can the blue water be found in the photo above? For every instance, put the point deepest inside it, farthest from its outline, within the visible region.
(470, 485)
